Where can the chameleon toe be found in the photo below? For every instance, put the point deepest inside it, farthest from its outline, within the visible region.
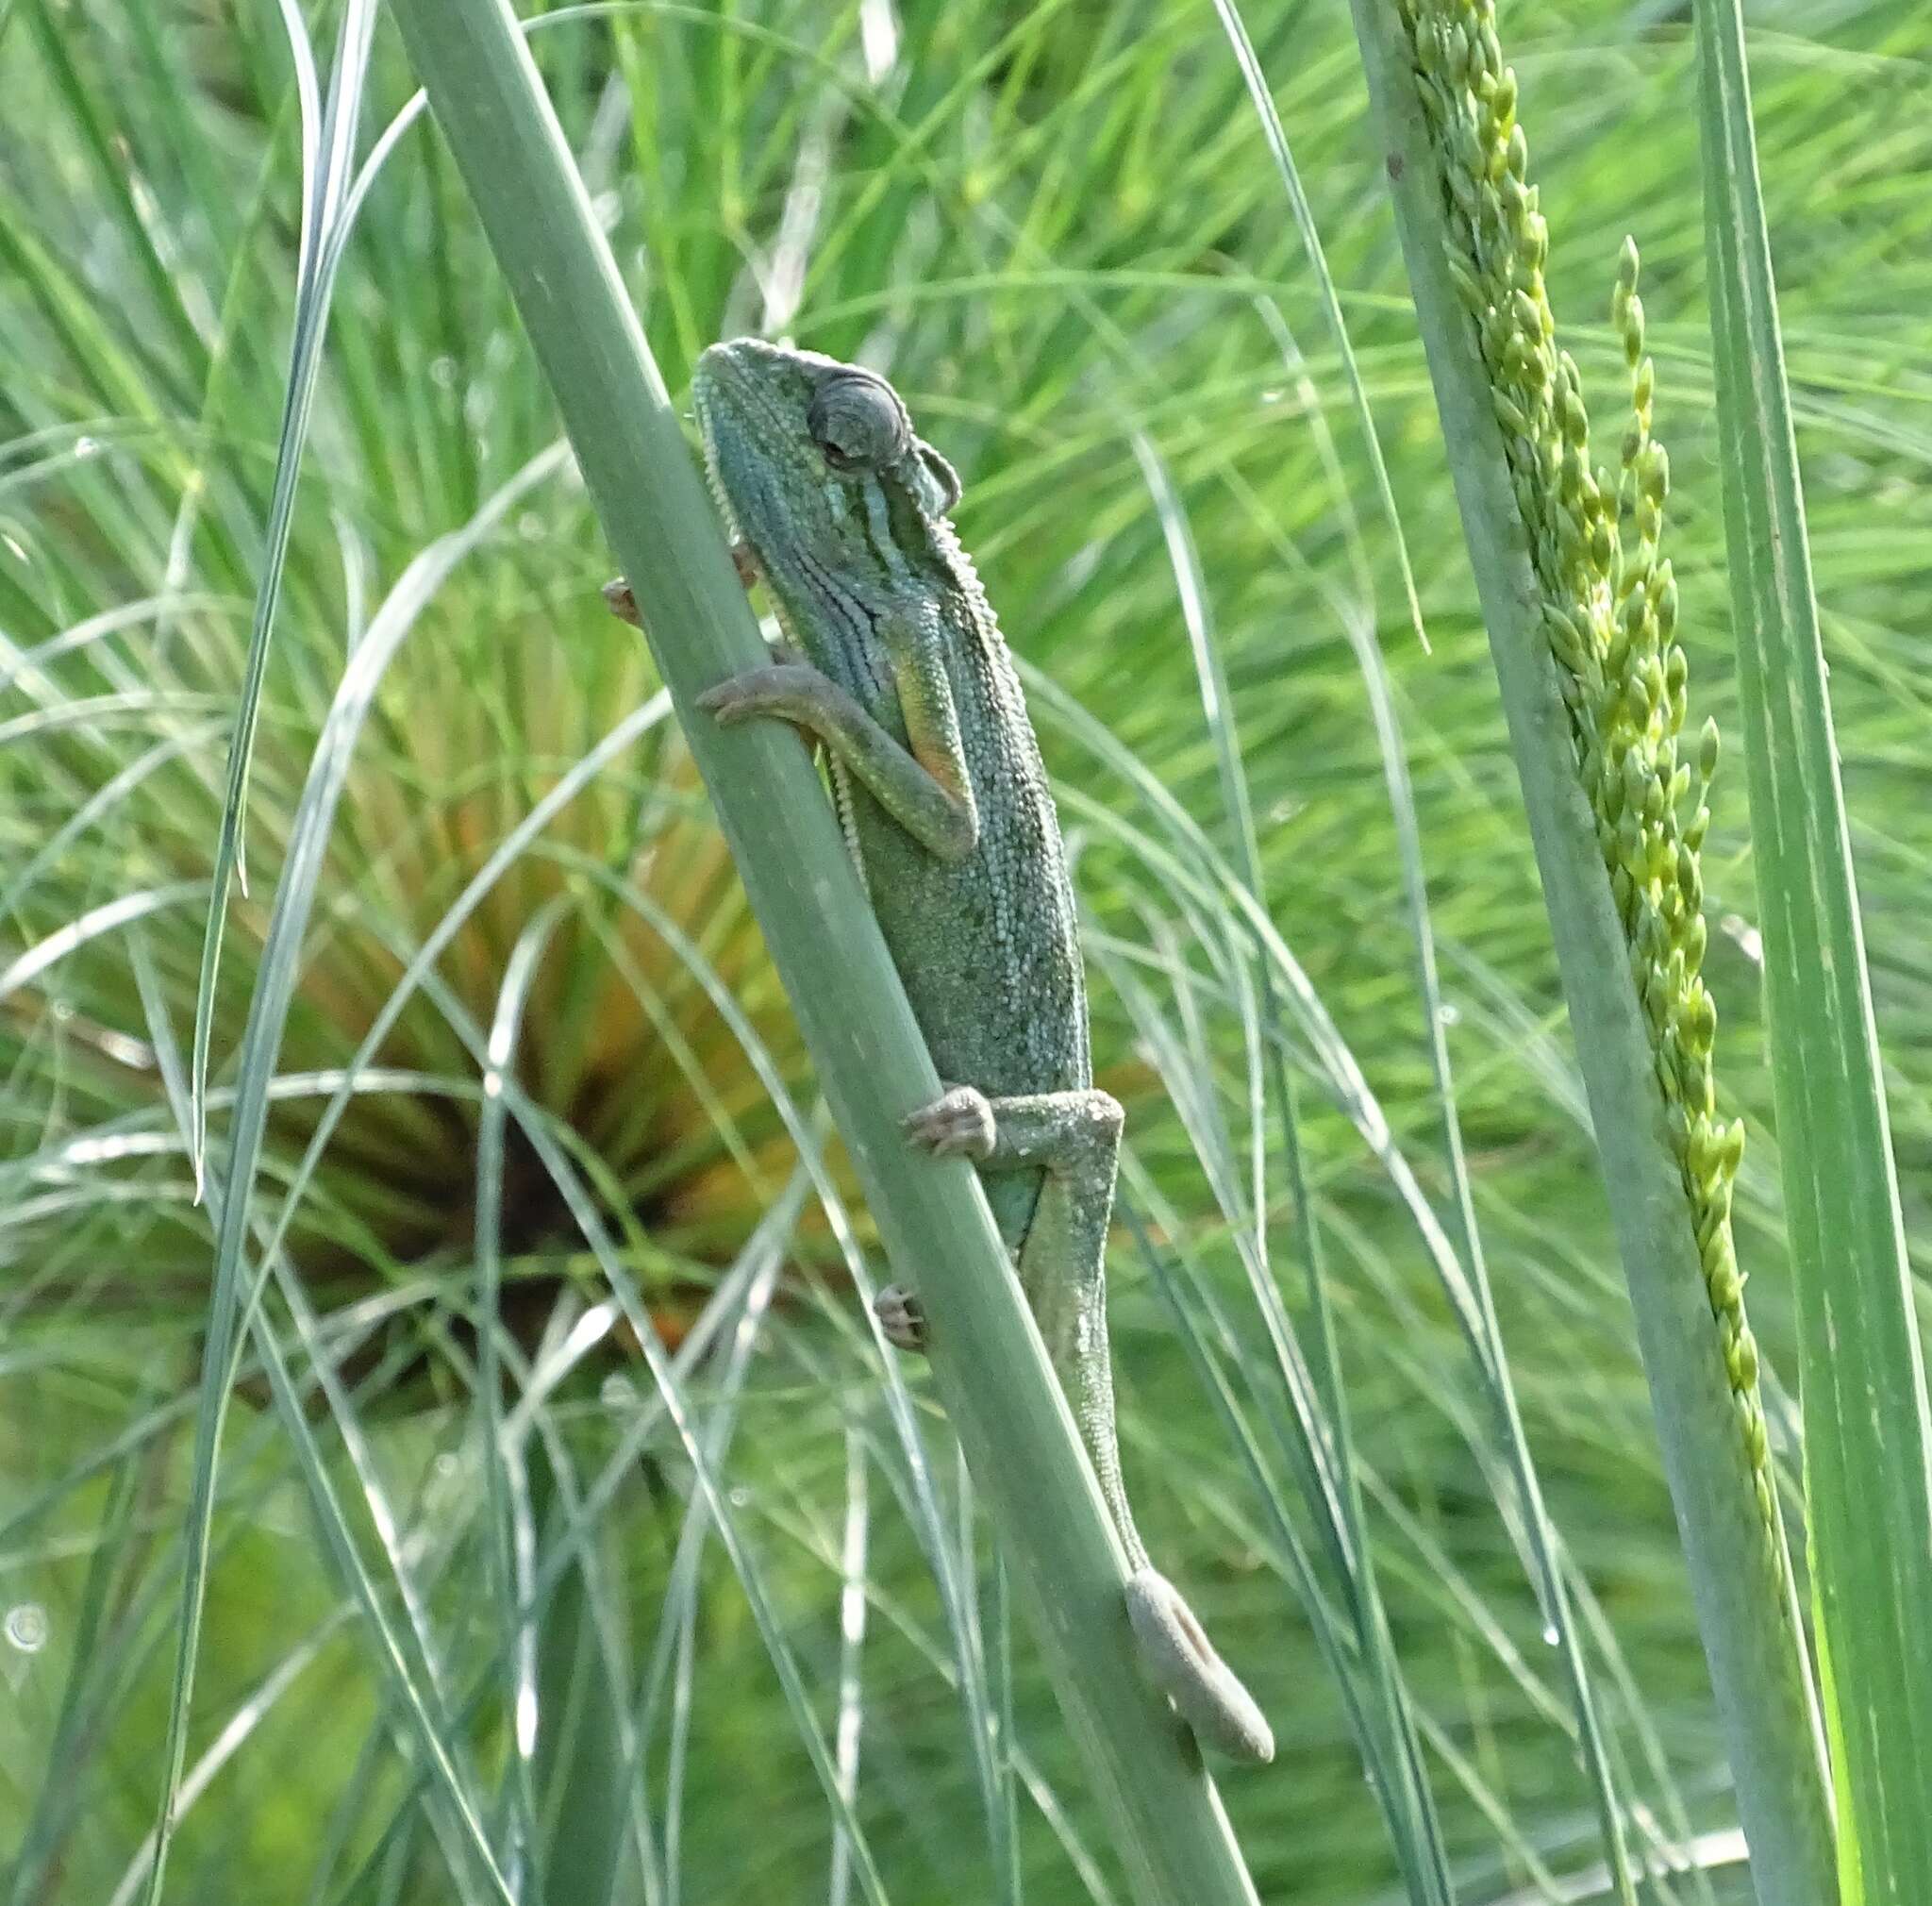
(958, 1123)
(902, 1318)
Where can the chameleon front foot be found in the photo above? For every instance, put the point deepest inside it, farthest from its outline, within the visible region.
(1182, 1663)
(958, 1123)
(788, 690)
(622, 601)
(902, 1317)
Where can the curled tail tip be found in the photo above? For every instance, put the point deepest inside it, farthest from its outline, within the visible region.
(1182, 1663)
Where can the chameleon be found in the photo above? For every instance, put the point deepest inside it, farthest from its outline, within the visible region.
(894, 668)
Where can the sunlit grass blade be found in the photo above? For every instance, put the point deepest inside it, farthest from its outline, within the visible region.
(295, 895)
(498, 1458)
(1262, 101)
(1404, 1787)
(1868, 1440)
(331, 152)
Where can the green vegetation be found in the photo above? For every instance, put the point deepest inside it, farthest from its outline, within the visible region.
(532, 1165)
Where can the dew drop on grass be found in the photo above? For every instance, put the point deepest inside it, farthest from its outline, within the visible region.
(27, 1627)
(1550, 1636)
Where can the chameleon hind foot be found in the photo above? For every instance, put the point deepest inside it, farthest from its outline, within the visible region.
(1182, 1663)
(902, 1317)
(958, 1123)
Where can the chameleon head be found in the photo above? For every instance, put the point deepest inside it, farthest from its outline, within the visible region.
(817, 466)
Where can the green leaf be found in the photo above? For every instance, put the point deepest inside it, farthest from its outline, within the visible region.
(1867, 1435)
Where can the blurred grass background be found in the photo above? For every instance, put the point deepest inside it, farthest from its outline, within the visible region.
(1060, 230)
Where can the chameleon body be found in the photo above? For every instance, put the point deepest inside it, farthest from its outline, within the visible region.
(904, 680)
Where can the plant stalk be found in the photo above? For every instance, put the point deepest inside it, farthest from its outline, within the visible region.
(1170, 1831)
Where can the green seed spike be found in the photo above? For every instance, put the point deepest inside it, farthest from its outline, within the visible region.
(1654, 473)
(1678, 1129)
(1700, 1018)
(1630, 847)
(1725, 1286)
(1533, 240)
(1732, 1155)
(1696, 938)
(1664, 590)
(1743, 1360)
(1690, 882)
(1610, 614)
(1636, 778)
(1628, 264)
(1472, 293)
(1708, 744)
(1504, 102)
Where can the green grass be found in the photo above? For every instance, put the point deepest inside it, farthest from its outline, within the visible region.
(1063, 232)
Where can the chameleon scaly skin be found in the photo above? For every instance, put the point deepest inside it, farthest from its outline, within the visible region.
(904, 681)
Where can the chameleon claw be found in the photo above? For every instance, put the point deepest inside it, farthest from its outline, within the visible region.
(745, 562)
(621, 602)
(901, 1317)
(1181, 1662)
(957, 1123)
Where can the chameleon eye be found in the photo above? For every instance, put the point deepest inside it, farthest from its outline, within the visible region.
(856, 422)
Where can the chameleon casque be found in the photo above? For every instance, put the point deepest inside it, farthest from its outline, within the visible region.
(903, 682)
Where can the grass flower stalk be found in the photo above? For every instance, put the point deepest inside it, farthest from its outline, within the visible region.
(1582, 610)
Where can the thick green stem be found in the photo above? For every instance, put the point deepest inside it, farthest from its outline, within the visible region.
(1867, 1441)
(1170, 1831)
(1738, 1578)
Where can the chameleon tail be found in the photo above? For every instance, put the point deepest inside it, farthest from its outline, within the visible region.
(1181, 1662)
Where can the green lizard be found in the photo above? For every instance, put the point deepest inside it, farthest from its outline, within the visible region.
(905, 683)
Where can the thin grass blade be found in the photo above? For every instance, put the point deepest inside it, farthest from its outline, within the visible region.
(331, 175)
